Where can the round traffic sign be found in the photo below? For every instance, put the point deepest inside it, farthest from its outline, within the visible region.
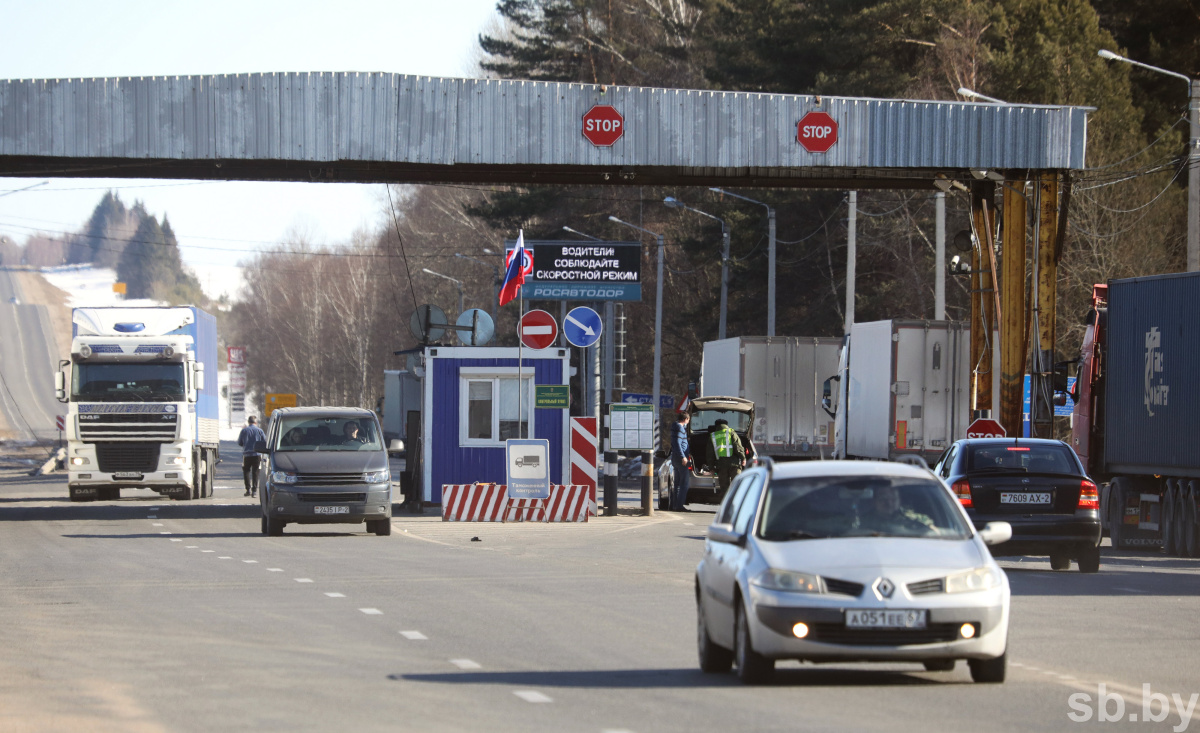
(817, 132)
(538, 329)
(583, 326)
(603, 125)
(985, 427)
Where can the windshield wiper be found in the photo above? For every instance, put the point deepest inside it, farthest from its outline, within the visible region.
(799, 534)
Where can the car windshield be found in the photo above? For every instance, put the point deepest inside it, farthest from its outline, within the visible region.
(859, 506)
(1025, 457)
(702, 420)
(305, 433)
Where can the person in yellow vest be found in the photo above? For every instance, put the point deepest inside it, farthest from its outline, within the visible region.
(727, 449)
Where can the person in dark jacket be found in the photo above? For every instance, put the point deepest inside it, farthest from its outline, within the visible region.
(248, 439)
(679, 462)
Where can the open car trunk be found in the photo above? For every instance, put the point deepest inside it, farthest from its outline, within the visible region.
(704, 412)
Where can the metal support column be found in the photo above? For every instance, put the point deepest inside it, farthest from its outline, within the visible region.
(939, 265)
(647, 484)
(851, 257)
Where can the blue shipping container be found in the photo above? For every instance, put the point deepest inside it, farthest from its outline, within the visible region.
(1152, 394)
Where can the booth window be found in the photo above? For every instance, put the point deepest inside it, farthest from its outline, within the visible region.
(490, 411)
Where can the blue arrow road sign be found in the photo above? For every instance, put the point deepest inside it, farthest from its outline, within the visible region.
(583, 326)
(665, 401)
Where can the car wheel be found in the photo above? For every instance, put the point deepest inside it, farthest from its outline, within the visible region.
(1116, 514)
(752, 667)
(381, 527)
(1191, 530)
(1060, 561)
(713, 658)
(266, 529)
(1179, 518)
(274, 526)
(939, 665)
(989, 670)
(1089, 561)
(1170, 535)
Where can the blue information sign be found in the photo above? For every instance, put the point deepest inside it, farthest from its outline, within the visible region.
(665, 401)
(1059, 410)
(528, 468)
(583, 326)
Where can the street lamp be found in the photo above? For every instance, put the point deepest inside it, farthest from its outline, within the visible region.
(976, 95)
(770, 255)
(1193, 162)
(495, 282)
(673, 203)
(456, 282)
(585, 236)
(657, 312)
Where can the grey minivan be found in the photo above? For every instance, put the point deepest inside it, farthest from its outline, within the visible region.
(326, 465)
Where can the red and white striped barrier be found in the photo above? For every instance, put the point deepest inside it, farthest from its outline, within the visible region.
(585, 444)
(474, 502)
(490, 503)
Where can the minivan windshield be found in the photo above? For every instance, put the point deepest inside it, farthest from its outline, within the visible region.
(859, 506)
(308, 433)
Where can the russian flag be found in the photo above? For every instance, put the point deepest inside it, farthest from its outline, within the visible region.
(518, 266)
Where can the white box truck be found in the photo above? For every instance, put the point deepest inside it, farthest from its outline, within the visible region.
(783, 377)
(903, 388)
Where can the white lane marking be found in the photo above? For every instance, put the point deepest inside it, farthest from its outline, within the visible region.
(371, 611)
(274, 570)
(166, 533)
(151, 516)
(616, 730)
(1131, 590)
(414, 635)
(250, 561)
(175, 540)
(224, 557)
(532, 696)
(465, 664)
(208, 551)
(336, 595)
(303, 580)
(190, 547)
(157, 524)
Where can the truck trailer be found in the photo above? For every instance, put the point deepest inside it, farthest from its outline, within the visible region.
(783, 377)
(902, 390)
(1137, 400)
(141, 390)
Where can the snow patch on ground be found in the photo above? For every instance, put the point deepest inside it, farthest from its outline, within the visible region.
(91, 287)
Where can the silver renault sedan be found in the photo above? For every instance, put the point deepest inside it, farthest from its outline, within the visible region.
(847, 561)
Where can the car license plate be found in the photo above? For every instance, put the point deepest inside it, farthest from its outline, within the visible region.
(1024, 497)
(332, 509)
(885, 619)
(127, 474)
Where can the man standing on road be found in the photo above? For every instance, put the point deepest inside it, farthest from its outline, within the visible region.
(679, 462)
(248, 439)
(727, 449)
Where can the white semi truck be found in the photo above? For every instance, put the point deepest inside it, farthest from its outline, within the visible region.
(141, 390)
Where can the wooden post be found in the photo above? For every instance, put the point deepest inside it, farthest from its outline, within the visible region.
(982, 323)
(1012, 309)
(1045, 300)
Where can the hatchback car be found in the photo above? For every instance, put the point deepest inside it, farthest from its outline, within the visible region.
(326, 465)
(703, 487)
(1038, 486)
(827, 561)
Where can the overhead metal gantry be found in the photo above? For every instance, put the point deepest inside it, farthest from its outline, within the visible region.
(360, 127)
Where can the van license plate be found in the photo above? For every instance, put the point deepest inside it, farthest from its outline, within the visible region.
(332, 509)
(912, 619)
(1024, 497)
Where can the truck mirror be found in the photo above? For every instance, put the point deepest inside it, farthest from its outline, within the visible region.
(1060, 399)
(60, 386)
(198, 370)
(827, 396)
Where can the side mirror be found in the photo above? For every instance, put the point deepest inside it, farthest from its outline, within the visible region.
(60, 386)
(827, 396)
(661, 455)
(725, 533)
(260, 446)
(995, 533)
(396, 446)
(199, 370)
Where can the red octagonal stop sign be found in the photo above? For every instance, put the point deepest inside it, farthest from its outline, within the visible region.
(603, 125)
(817, 132)
(985, 427)
(538, 329)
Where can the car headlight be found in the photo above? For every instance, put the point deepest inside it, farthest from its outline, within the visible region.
(787, 581)
(377, 477)
(282, 477)
(973, 580)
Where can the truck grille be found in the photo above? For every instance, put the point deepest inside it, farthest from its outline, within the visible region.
(340, 498)
(96, 427)
(141, 457)
(328, 479)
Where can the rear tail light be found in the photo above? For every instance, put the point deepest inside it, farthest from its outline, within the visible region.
(962, 489)
(1089, 497)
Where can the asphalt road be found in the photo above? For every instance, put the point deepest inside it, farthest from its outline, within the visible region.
(27, 365)
(152, 615)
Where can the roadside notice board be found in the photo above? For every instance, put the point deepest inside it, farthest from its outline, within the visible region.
(552, 396)
(631, 427)
(275, 400)
(528, 468)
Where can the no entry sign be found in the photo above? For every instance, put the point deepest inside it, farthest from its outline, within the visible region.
(985, 427)
(603, 125)
(817, 132)
(538, 329)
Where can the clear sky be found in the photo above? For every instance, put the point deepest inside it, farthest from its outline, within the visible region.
(218, 222)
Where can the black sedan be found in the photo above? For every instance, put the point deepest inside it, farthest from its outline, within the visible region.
(1038, 486)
